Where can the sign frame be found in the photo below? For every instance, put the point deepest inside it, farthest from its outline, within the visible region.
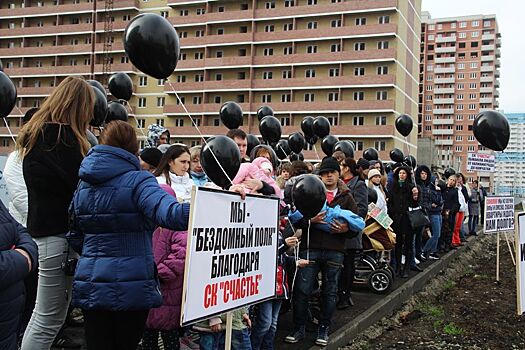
(520, 302)
(486, 219)
(474, 157)
(227, 311)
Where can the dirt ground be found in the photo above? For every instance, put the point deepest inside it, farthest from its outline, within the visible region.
(462, 308)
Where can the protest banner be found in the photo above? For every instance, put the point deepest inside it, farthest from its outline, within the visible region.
(231, 254)
(520, 264)
(379, 215)
(481, 162)
(499, 214)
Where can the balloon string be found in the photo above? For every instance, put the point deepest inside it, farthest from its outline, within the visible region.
(198, 130)
(287, 155)
(9, 130)
(316, 153)
(141, 129)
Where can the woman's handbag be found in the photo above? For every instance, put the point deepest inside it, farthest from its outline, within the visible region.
(417, 217)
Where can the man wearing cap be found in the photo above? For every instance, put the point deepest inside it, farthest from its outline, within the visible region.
(321, 252)
(363, 166)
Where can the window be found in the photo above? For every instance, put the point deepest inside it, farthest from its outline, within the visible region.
(430, 37)
(181, 78)
(243, 29)
(197, 100)
(285, 121)
(440, 26)
(380, 145)
(429, 87)
(182, 56)
(142, 102)
(461, 65)
(462, 35)
(472, 85)
(267, 75)
(428, 108)
(461, 75)
(242, 52)
(336, 23)
(218, 76)
(459, 138)
(428, 127)
(286, 98)
(269, 28)
(384, 19)
(287, 74)
(240, 98)
(335, 47)
(199, 55)
(268, 51)
(472, 96)
(216, 122)
(462, 24)
(360, 21)
(459, 127)
(471, 138)
(460, 97)
(359, 121)
(486, 23)
(289, 3)
(460, 107)
(431, 27)
(430, 67)
(201, 11)
(312, 2)
(473, 64)
(333, 72)
(309, 97)
(312, 25)
(473, 75)
(288, 27)
(218, 54)
(199, 33)
(381, 120)
(474, 44)
(141, 123)
(217, 99)
(199, 78)
(471, 148)
(270, 5)
(430, 77)
(311, 49)
(383, 70)
(220, 31)
(267, 98)
(184, 12)
(161, 82)
(358, 71)
(161, 101)
(143, 81)
(475, 23)
(333, 96)
(472, 106)
(428, 118)
(474, 34)
(244, 7)
(182, 100)
(359, 96)
(359, 46)
(164, 14)
(309, 73)
(459, 148)
(288, 50)
(359, 146)
(382, 45)
(461, 86)
(381, 95)
(179, 122)
(160, 122)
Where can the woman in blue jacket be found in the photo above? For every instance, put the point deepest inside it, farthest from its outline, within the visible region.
(114, 212)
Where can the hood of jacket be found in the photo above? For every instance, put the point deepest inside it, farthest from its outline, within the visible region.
(426, 169)
(104, 163)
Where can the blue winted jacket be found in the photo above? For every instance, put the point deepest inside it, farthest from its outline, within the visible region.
(114, 212)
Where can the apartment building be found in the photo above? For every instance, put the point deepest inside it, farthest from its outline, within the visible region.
(459, 78)
(354, 62)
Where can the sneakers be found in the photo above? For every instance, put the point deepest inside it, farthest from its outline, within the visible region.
(433, 256)
(296, 336)
(322, 336)
(65, 342)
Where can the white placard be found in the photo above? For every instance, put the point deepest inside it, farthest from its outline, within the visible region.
(4, 195)
(520, 264)
(499, 214)
(481, 162)
(231, 255)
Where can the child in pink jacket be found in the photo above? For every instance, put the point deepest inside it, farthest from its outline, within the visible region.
(169, 250)
(261, 169)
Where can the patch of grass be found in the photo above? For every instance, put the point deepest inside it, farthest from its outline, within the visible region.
(448, 285)
(432, 310)
(437, 324)
(452, 329)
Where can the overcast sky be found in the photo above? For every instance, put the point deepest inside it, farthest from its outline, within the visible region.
(509, 14)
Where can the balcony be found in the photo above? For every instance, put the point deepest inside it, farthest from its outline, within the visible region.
(64, 29)
(498, 53)
(444, 70)
(488, 37)
(487, 47)
(486, 79)
(324, 56)
(34, 11)
(443, 142)
(34, 91)
(442, 132)
(486, 90)
(449, 49)
(66, 70)
(487, 68)
(439, 101)
(448, 121)
(487, 58)
(444, 90)
(486, 100)
(498, 43)
(446, 39)
(444, 80)
(498, 63)
(438, 60)
(60, 50)
(443, 111)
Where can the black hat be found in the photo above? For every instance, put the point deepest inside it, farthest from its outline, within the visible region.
(363, 163)
(151, 156)
(329, 164)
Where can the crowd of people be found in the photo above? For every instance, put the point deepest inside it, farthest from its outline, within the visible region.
(103, 228)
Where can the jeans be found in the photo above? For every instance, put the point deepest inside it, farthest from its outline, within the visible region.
(417, 244)
(473, 221)
(53, 294)
(211, 341)
(114, 330)
(265, 325)
(347, 276)
(435, 228)
(170, 339)
(241, 339)
(330, 264)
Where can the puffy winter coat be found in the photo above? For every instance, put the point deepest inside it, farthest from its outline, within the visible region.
(169, 251)
(115, 209)
(16, 188)
(13, 270)
(182, 185)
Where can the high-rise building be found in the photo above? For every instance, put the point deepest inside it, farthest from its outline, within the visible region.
(354, 62)
(510, 165)
(459, 78)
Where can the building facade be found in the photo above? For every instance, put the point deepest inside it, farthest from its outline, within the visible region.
(354, 62)
(510, 165)
(459, 78)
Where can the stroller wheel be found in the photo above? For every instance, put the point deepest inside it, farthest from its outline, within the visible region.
(380, 281)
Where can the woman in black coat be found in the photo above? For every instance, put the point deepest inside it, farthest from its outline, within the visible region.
(18, 257)
(403, 195)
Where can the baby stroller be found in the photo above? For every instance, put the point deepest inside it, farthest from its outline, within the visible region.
(372, 264)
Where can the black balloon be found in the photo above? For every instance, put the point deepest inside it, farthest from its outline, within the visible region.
(228, 156)
(346, 147)
(270, 128)
(296, 142)
(252, 142)
(282, 149)
(263, 111)
(370, 154)
(309, 195)
(321, 127)
(116, 111)
(101, 108)
(296, 156)
(152, 45)
(312, 139)
(1, 66)
(7, 95)
(231, 115)
(372, 195)
(97, 85)
(397, 155)
(410, 161)
(388, 168)
(492, 130)
(121, 86)
(328, 144)
(307, 126)
(448, 172)
(404, 124)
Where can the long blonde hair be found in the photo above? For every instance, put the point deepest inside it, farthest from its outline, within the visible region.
(71, 103)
